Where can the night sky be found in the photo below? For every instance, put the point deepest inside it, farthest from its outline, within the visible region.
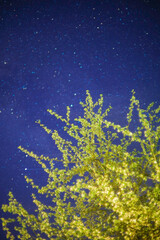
(51, 52)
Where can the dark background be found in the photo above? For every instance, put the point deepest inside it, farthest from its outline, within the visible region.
(51, 52)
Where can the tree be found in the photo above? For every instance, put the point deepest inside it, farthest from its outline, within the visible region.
(103, 190)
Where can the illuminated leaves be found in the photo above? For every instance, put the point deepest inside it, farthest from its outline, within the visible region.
(102, 190)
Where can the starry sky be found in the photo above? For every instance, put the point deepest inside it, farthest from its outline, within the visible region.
(51, 52)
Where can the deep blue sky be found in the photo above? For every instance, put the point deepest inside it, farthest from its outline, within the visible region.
(51, 52)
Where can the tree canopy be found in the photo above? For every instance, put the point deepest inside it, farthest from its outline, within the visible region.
(109, 186)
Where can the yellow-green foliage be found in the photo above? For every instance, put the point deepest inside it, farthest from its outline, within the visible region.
(110, 197)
